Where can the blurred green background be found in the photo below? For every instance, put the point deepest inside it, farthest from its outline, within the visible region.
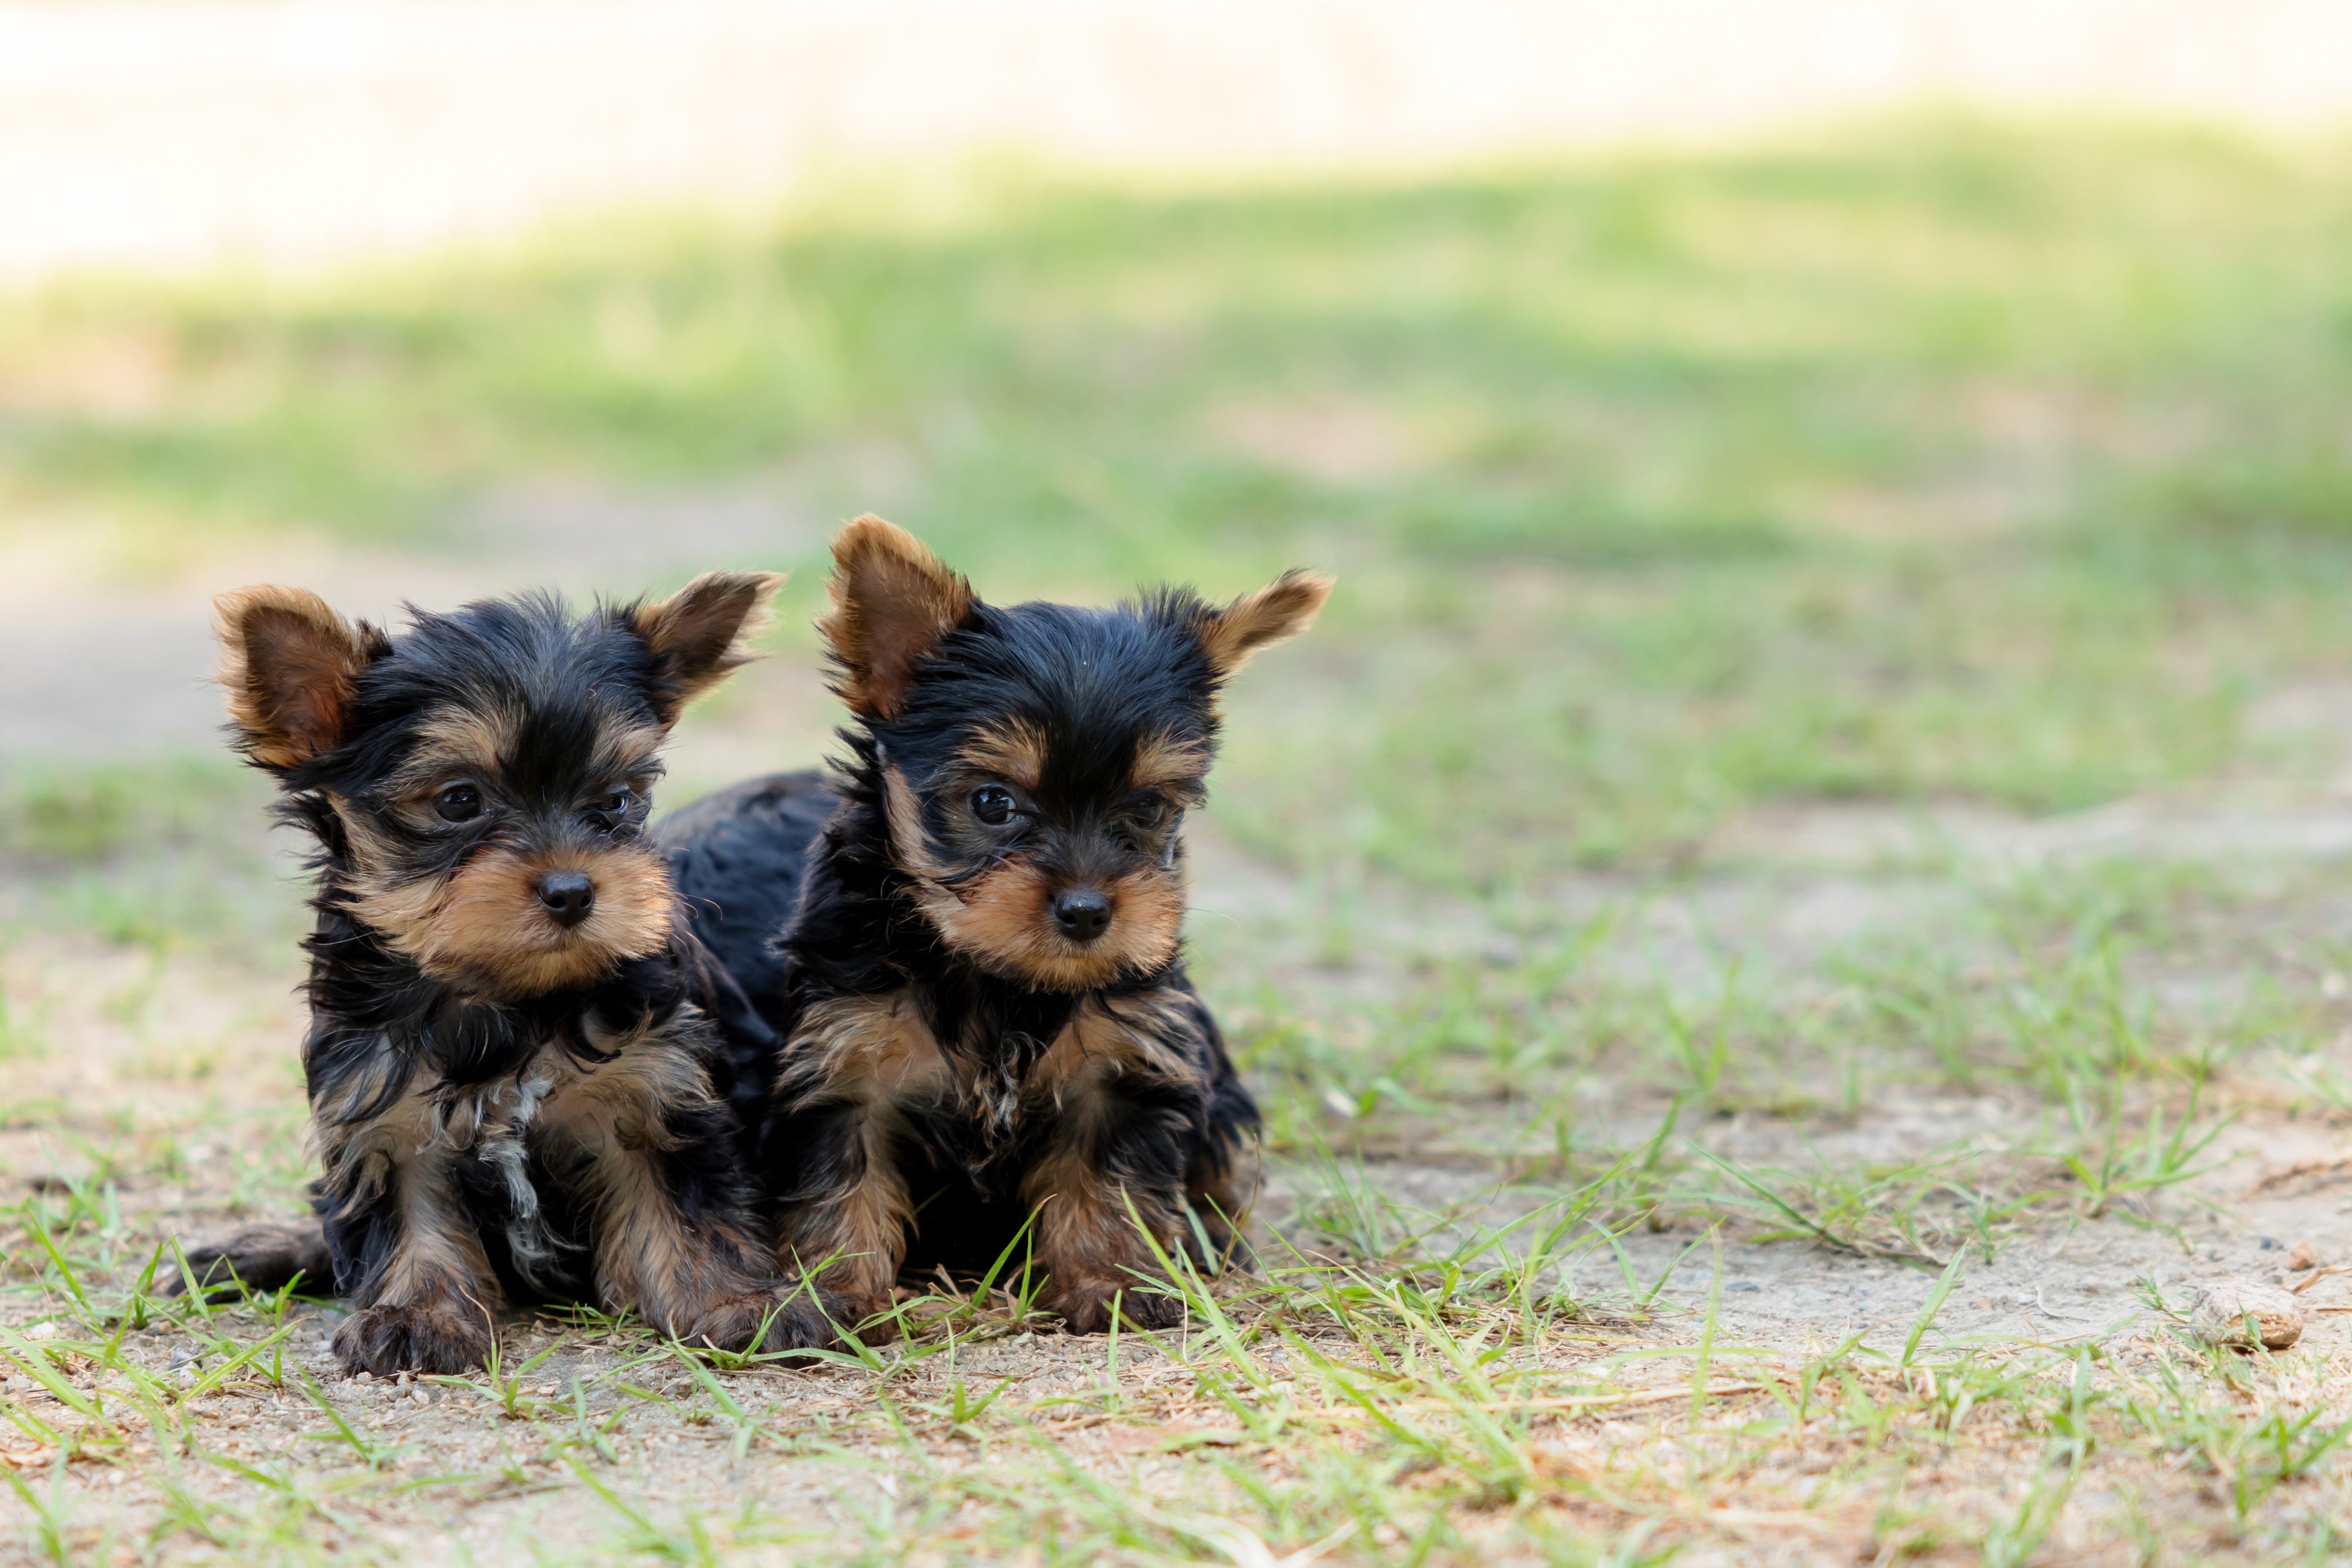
(1926, 460)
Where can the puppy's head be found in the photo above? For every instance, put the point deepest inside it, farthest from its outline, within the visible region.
(489, 769)
(1037, 760)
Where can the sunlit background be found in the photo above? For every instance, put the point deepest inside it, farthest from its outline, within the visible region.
(1785, 461)
(1716, 406)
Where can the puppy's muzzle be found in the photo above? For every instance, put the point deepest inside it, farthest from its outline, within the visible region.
(567, 896)
(1082, 914)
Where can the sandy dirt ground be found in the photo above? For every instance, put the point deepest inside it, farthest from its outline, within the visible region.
(175, 1054)
(170, 1074)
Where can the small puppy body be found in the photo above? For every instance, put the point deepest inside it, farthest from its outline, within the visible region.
(515, 1081)
(984, 1021)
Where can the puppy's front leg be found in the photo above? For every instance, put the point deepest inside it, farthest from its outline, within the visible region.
(845, 1217)
(1108, 1163)
(677, 1236)
(1222, 1187)
(408, 1255)
(694, 1268)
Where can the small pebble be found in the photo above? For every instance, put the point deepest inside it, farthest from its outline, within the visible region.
(363, 1377)
(42, 1330)
(2224, 1305)
(418, 1395)
(2306, 1256)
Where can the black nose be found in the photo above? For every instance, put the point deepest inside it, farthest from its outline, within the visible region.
(568, 894)
(1081, 912)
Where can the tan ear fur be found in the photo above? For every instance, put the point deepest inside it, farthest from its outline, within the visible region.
(1283, 608)
(892, 602)
(707, 629)
(287, 664)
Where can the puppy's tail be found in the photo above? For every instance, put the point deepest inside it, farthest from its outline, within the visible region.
(259, 1258)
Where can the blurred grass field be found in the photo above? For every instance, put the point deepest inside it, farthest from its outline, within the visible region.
(1937, 461)
(1928, 470)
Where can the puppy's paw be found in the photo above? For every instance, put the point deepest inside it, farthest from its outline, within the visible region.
(432, 1338)
(861, 1314)
(761, 1320)
(260, 1257)
(1227, 1252)
(810, 1322)
(1086, 1305)
(726, 1322)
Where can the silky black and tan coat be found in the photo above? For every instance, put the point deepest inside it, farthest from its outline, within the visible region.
(519, 1059)
(984, 1021)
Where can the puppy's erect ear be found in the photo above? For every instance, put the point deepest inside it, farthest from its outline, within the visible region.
(287, 663)
(892, 602)
(1283, 608)
(703, 630)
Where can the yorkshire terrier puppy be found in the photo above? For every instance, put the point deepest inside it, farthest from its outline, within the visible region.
(516, 1081)
(978, 991)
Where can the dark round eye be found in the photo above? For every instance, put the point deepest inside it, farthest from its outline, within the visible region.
(1149, 812)
(617, 801)
(992, 805)
(459, 804)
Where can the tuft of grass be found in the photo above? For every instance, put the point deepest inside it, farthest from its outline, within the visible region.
(1445, 1401)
